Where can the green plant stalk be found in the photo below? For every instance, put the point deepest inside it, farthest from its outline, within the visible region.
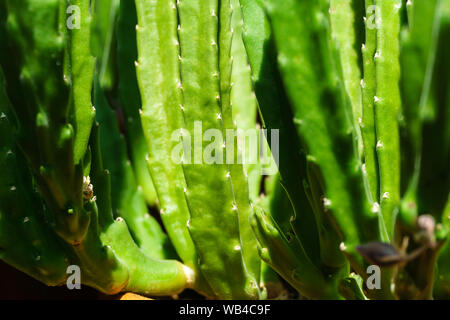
(350, 288)
(292, 264)
(244, 102)
(368, 86)
(276, 114)
(387, 109)
(157, 67)
(436, 130)
(244, 107)
(128, 201)
(105, 14)
(130, 98)
(344, 18)
(218, 211)
(140, 274)
(431, 196)
(418, 53)
(279, 205)
(80, 75)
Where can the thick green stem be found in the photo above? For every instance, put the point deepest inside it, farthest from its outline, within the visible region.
(387, 109)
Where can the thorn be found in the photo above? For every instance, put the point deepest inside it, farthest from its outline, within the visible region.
(179, 28)
(377, 55)
(213, 43)
(180, 58)
(363, 168)
(2, 116)
(136, 64)
(234, 208)
(375, 207)
(119, 219)
(38, 258)
(213, 13)
(427, 223)
(362, 83)
(215, 74)
(13, 188)
(386, 195)
(26, 219)
(181, 107)
(326, 202)
(379, 144)
(342, 246)
(188, 224)
(176, 43)
(376, 99)
(137, 27)
(228, 174)
(219, 117)
(264, 251)
(184, 190)
(237, 247)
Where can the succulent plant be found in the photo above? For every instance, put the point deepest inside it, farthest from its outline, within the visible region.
(349, 82)
(123, 146)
